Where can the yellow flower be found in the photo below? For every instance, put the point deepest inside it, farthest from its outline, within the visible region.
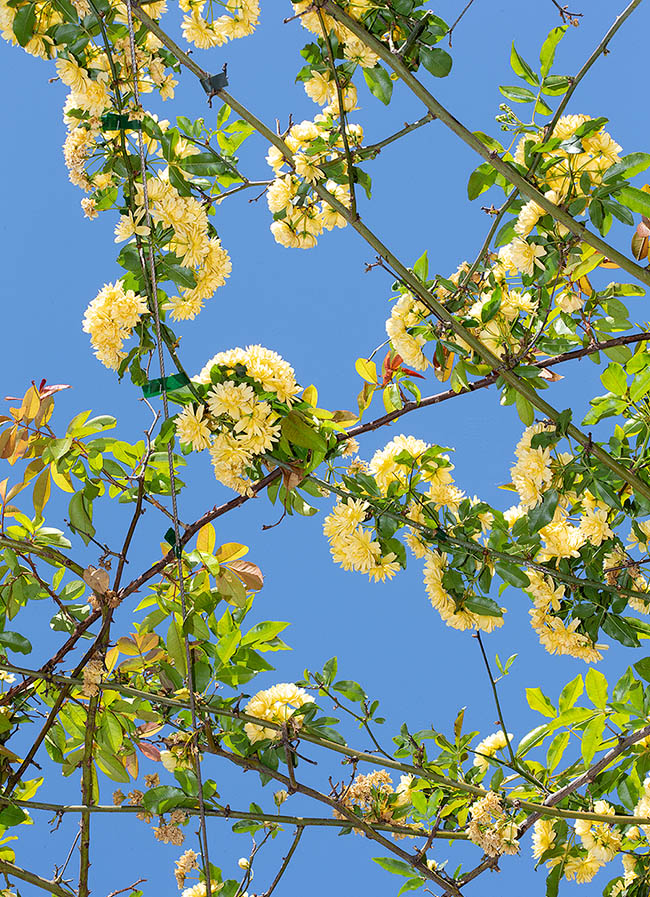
(192, 429)
(275, 704)
(526, 256)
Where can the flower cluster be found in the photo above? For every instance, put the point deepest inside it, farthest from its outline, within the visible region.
(352, 546)
(299, 216)
(103, 121)
(251, 389)
(191, 242)
(320, 86)
(206, 31)
(93, 673)
(556, 635)
(276, 705)
(599, 843)
(185, 864)
(490, 828)
(452, 611)
(420, 473)
(179, 752)
(110, 319)
(169, 832)
(375, 798)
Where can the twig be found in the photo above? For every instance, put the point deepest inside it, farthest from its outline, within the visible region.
(31, 878)
(495, 693)
(128, 887)
(285, 861)
(449, 33)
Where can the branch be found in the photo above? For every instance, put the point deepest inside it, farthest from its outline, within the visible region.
(87, 796)
(44, 883)
(228, 813)
(449, 33)
(51, 555)
(484, 382)
(342, 117)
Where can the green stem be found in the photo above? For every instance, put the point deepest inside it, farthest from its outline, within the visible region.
(362, 756)
(31, 878)
(228, 813)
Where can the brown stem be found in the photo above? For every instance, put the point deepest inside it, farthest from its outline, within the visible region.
(489, 380)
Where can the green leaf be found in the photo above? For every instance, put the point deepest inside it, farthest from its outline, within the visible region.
(542, 514)
(555, 85)
(263, 632)
(629, 165)
(176, 647)
(421, 267)
(24, 23)
(111, 766)
(518, 94)
(555, 750)
(351, 690)
(178, 274)
(511, 574)
(296, 429)
(411, 885)
(614, 379)
(618, 628)
(203, 165)
(392, 864)
(553, 880)
(570, 693)
(12, 815)
(525, 410)
(592, 738)
(163, 798)
(436, 61)
(643, 668)
(79, 511)
(15, 642)
(538, 701)
(379, 82)
(329, 670)
(483, 606)
(634, 199)
(547, 53)
(640, 386)
(596, 685)
(520, 67)
(480, 180)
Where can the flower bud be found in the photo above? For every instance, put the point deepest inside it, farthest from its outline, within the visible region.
(243, 863)
(279, 797)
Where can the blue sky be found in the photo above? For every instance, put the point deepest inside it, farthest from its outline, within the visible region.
(320, 311)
